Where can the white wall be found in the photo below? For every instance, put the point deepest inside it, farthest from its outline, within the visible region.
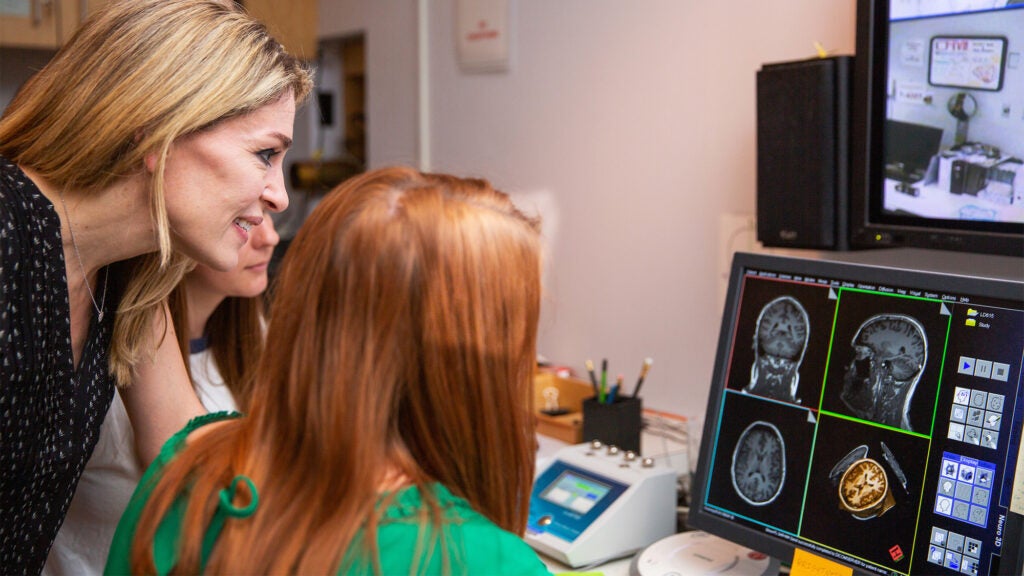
(632, 126)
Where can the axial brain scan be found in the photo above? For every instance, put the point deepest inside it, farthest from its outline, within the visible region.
(759, 464)
(780, 340)
(889, 354)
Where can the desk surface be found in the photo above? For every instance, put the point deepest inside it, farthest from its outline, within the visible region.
(708, 555)
(932, 201)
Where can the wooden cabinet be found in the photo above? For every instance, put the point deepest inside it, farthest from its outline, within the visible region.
(49, 23)
(293, 23)
(39, 23)
(91, 6)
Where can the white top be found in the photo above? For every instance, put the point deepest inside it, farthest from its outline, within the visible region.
(110, 477)
(209, 384)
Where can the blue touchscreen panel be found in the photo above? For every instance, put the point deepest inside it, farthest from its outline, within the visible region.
(566, 500)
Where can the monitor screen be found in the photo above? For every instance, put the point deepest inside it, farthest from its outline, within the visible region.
(868, 415)
(909, 149)
(938, 148)
(575, 492)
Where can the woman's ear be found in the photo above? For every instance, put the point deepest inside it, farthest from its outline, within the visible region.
(150, 160)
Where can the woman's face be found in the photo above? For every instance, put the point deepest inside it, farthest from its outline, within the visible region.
(249, 278)
(219, 182)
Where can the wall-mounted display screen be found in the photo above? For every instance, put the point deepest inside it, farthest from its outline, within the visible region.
(938, 145)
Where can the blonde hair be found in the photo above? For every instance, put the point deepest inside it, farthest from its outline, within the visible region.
(137, 75)
(406, 315)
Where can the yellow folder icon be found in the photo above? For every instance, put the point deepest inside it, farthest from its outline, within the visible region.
(972, 312)
(971, 322)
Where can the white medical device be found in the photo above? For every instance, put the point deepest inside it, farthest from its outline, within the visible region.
(698, 553)
(595, 503)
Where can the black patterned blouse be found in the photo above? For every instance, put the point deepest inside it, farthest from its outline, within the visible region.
(50, 413)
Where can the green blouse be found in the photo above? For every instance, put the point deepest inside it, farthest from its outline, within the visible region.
(472, 543)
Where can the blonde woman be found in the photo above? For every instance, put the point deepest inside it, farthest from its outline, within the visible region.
(389, 430)
(155, 136)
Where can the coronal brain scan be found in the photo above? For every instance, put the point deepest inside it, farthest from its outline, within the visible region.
(780, 340)
(759, 464)
(889, 354)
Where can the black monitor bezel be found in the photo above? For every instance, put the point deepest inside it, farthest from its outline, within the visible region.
(869, 226)
(943, 283)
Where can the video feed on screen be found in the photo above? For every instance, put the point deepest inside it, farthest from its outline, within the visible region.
(953, 145)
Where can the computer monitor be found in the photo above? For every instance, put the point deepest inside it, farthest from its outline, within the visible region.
(909, 149)
(871, 416)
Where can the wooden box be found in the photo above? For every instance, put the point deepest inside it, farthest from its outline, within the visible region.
(571, 393)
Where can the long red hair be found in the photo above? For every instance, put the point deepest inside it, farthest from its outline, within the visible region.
(402, 339)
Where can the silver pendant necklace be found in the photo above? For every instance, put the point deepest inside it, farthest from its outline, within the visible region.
(85, 278)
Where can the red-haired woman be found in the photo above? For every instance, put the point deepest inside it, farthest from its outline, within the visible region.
(389, 430)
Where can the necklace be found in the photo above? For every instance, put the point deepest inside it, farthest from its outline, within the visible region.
(85, 277)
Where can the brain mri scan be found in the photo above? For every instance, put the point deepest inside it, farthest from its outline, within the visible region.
(780, 340)
(864, 490)
(759, 464)
(889, 354)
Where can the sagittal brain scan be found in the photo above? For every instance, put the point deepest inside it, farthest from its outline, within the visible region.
(780, 340)
(759, 464)
(889, 354)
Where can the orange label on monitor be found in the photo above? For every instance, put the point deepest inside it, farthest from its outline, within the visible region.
(807, 564)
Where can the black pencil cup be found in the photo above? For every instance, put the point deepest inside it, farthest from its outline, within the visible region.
(617, 424)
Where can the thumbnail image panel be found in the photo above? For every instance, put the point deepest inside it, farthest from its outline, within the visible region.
(761, 460)
(781, 340)
(863, 490)
(886, 359)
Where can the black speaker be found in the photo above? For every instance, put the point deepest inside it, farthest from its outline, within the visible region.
(803, 160)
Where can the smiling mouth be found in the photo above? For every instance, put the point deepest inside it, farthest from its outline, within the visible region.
(245, 224)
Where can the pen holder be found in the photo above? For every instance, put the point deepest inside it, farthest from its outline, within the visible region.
(617, 424)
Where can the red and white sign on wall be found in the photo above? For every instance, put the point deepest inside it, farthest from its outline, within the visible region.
(482, 27)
